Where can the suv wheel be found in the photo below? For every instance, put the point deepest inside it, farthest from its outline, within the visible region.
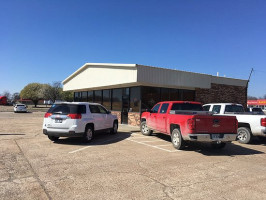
(88, 135)
(53, 138)
(115, 128)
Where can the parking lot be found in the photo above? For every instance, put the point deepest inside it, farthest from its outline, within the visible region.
(127, 165)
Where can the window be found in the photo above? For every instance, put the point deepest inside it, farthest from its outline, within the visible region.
(90, 96)
(206, 108)
(155, 108)
(117, 99)
(84, 96)
(98, 96)
(77, 96)
(216, 109)
(107, 99)
(65, 109)
(135, 99)
(97, 109)
(188, 95)
(150, 96)
(164, 108)
(234, 108)
(187, 106)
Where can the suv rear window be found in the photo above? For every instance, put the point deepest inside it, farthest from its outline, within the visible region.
(65, 109)
(187, 106)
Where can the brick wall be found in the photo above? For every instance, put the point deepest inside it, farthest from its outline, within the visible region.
(134, 118)
(219, 93)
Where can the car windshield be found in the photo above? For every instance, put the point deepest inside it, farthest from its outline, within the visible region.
(234, 108)
(66, 109)
(187, 106)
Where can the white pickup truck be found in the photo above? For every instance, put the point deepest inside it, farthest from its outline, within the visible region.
(249, 124)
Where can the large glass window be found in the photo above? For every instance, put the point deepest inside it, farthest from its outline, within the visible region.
(84, 96)
(117, 100)
(90, 96)
(150, 96)
(107, 99)
(98, 96)
(77, 96)
(135, 99)
(174, 95)
(188, 95)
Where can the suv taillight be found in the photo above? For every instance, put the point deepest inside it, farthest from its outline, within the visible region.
(263, 122)
(47, 115)
(74, 116)
(191, 124)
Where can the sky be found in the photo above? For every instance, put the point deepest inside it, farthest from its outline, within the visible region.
(47, 40)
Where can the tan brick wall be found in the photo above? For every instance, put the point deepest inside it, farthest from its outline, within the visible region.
(219, 93)
(134, 118)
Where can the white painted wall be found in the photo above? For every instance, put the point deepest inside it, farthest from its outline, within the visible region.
(100, 76)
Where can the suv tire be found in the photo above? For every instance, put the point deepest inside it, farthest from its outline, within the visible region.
(53, 138)
(88, 135)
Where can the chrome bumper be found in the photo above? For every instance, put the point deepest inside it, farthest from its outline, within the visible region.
(212, 137)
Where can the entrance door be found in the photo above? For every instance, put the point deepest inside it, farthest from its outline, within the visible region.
(125, 106)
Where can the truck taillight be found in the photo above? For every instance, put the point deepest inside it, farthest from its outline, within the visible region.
(47, 115)
(263, 122)
(191, 124)
(74, 116)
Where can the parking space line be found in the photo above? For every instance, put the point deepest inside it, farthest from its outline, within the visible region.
(156, 147)
(164, 145)
(79, 149)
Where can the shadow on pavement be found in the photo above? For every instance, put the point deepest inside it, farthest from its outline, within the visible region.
(230, 149)
(100, 138)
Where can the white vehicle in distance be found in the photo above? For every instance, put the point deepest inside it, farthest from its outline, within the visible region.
(20, 108)
(78, 119)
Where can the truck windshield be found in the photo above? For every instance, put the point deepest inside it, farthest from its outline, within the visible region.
(187, 106)
(234, 108)
(65, 109)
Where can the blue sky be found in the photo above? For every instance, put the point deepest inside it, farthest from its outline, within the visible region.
(47, 40)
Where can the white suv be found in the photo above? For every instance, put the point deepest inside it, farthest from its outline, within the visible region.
(78, 119)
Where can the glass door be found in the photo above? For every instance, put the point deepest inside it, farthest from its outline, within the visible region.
(125, 106)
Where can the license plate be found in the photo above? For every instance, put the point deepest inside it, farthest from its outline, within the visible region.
(216, 136)
(58, 120)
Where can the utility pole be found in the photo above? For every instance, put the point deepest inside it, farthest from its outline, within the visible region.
(250, 76)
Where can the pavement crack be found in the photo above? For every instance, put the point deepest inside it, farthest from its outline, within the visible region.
(35, 175)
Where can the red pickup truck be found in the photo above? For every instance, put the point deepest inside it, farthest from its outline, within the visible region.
(186, 121)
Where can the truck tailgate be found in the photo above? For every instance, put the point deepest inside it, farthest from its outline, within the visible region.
(215, 124)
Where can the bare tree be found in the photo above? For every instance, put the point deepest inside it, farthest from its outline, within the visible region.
(7, 94)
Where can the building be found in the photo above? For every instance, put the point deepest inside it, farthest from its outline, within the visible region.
(261, 103)
(129, 89)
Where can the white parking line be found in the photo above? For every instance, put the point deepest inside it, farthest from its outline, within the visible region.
(163, 145)
(79, 149)
(156, 147)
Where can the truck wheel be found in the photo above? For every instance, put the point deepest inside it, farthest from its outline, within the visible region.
(144, 129)
(218, 145)
(53, 138)
(88, 135)
(177, 139)
(244, 135)
(115, 127)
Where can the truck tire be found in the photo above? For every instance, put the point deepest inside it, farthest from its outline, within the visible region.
(53, 138)
(88, 135)
(177, 139)
(144, 129)
(115, 128)
(244, 135)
